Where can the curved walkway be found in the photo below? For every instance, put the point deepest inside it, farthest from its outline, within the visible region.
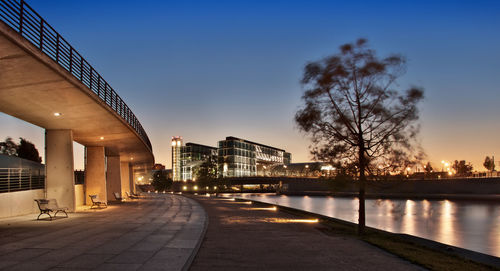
(160, 233)
(241, 236)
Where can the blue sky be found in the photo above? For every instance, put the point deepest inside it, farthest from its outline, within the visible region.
(209, 69)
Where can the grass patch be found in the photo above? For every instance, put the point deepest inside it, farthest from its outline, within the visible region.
(423, 256)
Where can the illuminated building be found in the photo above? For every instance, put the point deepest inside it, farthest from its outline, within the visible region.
(193, 155)
(234, 157)
(238, 157)
(176, 158)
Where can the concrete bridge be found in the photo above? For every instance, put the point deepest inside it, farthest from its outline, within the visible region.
(46, 82)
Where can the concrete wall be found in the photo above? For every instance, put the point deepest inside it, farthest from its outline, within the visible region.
(20, 203)
(480, 186)
(80, 195)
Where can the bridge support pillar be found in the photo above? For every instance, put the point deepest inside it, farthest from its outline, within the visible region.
(135, 174)
(125, 177)
(59, 167)
(113, 177)
(95, 173)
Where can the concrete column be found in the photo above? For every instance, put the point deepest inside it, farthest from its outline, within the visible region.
(59, 167)
(132, 181)
(113, 177)
(95, 173)
(125, 177)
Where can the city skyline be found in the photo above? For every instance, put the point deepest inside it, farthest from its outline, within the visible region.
(209, 71)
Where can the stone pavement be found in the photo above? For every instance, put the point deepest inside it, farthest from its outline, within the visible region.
(241, 236)
(159, 233)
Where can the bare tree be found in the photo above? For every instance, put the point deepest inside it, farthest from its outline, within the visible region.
(489, 163)
(355, 115)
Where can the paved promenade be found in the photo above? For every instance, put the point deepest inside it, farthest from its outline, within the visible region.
(161, 233)
(243, 237)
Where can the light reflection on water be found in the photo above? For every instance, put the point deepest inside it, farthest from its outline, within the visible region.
(468, 224)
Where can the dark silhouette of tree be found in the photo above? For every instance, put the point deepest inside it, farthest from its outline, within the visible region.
(161, 182)
(428, 167)
(489, 163)
(354, 114)
(27, 150)
(462, 168)
(206, 173)
(8, 147)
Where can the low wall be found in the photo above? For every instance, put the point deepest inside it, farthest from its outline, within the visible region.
(7, 161)
(20, 203)
(479, 186)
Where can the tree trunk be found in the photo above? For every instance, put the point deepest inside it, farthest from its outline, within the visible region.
(362, 180)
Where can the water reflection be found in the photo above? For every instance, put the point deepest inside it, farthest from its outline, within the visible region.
(472, 225)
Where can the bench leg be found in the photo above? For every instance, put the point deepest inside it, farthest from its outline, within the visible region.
(62, 211)
(44, 213)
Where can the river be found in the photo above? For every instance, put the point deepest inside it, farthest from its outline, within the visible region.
(472, 225)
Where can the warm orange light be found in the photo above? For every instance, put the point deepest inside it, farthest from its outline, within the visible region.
(284, 220)
(262, 209)
(243, 202)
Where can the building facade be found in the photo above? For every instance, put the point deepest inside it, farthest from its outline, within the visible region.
(176, 158)
(193, 155)
(239, 157)
(235, 157)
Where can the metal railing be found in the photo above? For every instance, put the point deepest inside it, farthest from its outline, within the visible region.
(29, 24)
(19, 179)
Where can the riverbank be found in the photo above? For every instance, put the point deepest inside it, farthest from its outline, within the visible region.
(407, 247)
(443, 196)
(255, 237)
(487, 189)
(425, 252)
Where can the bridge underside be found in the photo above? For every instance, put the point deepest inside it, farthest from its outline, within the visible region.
(33, 88)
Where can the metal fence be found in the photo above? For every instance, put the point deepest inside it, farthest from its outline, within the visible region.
(29, 24)
(19, 179)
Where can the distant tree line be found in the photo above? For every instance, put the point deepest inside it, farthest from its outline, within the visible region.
(25, 149)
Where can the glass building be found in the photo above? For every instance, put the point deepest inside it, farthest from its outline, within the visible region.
(239, 157)
(191, 156)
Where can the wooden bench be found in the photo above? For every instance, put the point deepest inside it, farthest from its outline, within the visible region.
(97, 202)
(49, 206)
